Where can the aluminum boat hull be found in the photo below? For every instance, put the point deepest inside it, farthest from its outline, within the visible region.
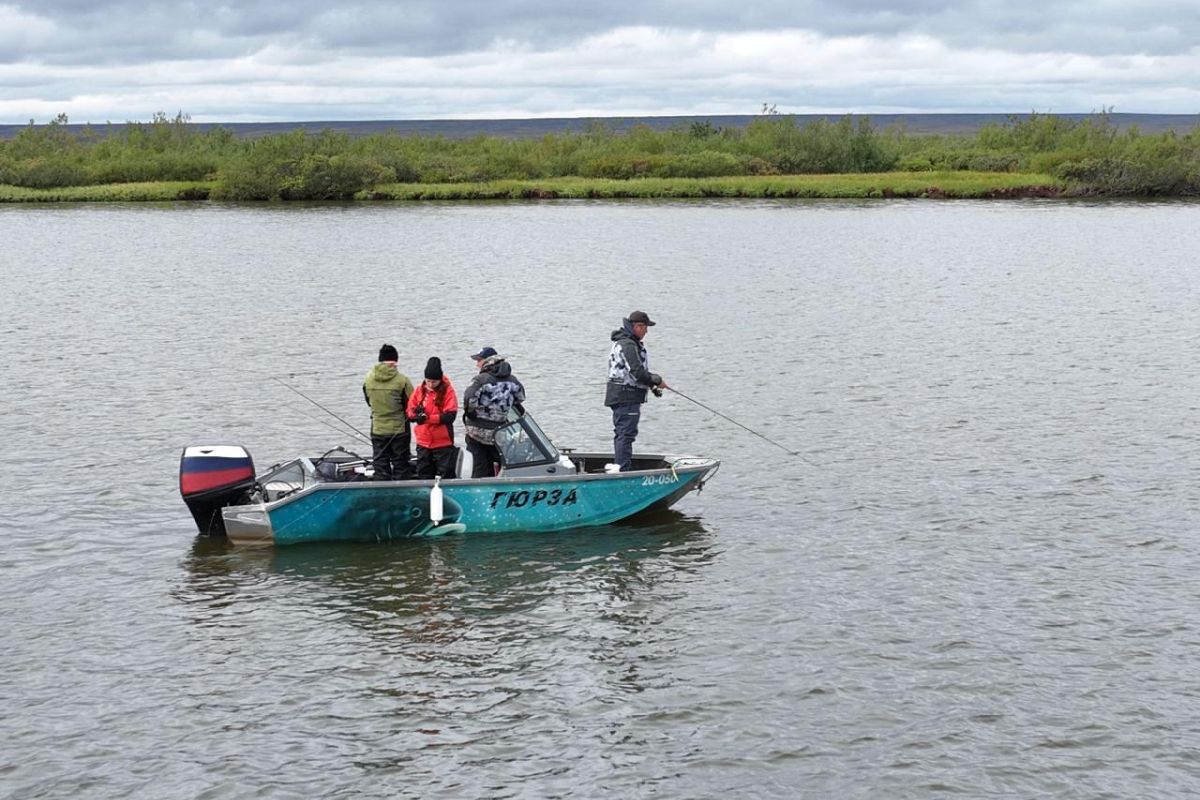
(380, 511)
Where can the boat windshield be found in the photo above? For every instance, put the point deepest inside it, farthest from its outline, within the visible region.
(523, 444)
(285, 479)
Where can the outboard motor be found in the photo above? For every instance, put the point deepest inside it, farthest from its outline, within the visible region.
(212, 477)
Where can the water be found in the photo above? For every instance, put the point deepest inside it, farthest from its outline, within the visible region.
(977, 581)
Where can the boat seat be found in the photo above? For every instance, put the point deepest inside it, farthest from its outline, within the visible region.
(277, 489)
(465, 463)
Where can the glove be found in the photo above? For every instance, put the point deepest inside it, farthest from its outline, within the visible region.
(421, 417)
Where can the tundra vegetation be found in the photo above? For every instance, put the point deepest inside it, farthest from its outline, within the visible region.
(772, 156)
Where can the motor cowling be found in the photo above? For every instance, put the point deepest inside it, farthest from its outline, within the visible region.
(212, 477)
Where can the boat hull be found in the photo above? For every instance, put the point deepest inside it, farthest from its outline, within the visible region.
(386, 511)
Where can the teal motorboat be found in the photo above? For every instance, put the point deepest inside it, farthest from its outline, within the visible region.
(333, 498)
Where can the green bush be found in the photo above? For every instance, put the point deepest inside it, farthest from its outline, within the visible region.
(390, 152)
(822, 146)
(45, 172)
(759, 166)
(915, 163)
(1126, 177)
(313, 176)
(338, 177)
(1049, 162)
(165, 166)
(705, 164)
(994, 162)
(165, 149)
(623, 166)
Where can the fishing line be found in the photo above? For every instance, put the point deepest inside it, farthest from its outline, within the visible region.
(740, 425)
(323, 408)
(330, 425)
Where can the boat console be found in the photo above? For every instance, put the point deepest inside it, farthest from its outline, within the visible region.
(526, 451)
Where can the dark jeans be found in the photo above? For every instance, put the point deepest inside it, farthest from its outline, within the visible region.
(392, 456)
(485, 458)
(626, 417)
(440, 462)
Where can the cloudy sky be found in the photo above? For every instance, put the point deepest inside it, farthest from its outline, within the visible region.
(268, 60)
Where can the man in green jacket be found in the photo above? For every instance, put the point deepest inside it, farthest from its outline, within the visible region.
(387, 390)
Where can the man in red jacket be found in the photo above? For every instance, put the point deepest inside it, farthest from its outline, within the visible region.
(434, 406)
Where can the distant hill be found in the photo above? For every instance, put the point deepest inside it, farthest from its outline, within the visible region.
(534, 128)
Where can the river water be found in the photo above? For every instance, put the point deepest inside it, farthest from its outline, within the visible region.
(977, 579)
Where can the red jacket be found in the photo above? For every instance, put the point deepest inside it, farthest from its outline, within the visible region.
(441, 407)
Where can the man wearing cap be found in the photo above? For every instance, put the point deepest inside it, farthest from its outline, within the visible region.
(486, 405)
(387, 390)
(629, 378)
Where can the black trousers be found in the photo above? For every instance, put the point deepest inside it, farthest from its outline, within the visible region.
(440, 462)
(485, 458)
(392, 456)
(626, 417)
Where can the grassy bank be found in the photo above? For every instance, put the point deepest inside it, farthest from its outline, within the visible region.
(889, 184)
(773, 155)
(146, 191)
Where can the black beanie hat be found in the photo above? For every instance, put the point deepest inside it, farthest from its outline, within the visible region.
(433, 369)
(388, 353)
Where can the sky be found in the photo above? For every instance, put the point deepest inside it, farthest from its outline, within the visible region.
(290, 60)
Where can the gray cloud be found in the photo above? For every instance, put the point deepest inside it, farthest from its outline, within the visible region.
(119, 30)
(306, 59)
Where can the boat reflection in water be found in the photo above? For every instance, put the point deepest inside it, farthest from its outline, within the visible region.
(445, 649)
(468, 574)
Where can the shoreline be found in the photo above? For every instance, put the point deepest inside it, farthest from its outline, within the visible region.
(884, 185)
(532, 128)
(772, 156)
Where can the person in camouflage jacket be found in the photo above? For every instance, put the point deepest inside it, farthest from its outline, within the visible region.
(629, 378)
(486, 403)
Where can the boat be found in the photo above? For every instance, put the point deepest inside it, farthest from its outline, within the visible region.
(334, 498)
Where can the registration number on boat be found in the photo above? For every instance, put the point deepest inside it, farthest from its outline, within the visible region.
(659, 480)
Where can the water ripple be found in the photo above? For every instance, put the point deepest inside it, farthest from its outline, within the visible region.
(977, 580)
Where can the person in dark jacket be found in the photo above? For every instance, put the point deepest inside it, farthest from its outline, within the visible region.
(387, 390)
(434, 407)
(487, 402)
(629, 378)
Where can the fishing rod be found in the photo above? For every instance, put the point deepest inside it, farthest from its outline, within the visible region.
(330, 425)
(323, 408)
(740, 425)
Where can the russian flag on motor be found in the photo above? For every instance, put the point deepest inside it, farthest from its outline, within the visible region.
(205, 468)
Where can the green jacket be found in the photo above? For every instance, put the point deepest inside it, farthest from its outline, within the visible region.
(387, 391)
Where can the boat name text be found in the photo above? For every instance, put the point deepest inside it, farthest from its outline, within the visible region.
(552, 497)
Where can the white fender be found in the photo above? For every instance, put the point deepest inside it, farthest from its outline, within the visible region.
(436, 511)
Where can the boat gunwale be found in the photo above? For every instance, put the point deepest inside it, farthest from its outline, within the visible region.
(709, 463)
